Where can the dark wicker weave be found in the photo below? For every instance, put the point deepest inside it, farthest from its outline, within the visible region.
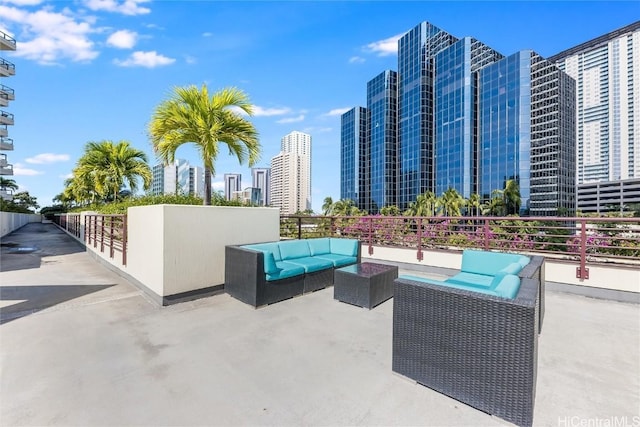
(244, 279)
(535, 271)
(479, 349)
(318, 280)
(370, 286)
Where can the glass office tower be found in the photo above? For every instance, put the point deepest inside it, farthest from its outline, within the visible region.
(455, 119)
(416, 50)
(354, 157)
(470, 119)
(382, 101)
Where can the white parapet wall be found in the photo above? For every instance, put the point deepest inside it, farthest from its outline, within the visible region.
(11, 221)
(615, 277)
(175, 249)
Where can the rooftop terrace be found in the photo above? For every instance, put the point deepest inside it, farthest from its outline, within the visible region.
(82, 346)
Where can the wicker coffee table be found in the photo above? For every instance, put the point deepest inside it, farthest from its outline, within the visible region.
(365, 285)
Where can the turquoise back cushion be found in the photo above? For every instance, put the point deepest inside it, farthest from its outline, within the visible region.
(267, 247)
(348, 247)
(513, 268)
(290, 249)
(270, 266)
(506, 285)
(319, 246)
(487, 263)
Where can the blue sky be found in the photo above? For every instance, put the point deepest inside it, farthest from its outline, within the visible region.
(89, 70)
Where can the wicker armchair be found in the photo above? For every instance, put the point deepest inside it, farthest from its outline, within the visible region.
(479, 349)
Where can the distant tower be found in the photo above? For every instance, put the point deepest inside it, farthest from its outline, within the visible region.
(232, 183)
(299, 183)
(289, 189)
(261, 178)
(177, 178)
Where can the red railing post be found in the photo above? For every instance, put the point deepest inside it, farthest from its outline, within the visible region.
(95, 231)
(299, 227)
(333, 226)
(582, 272)
(419, 240)
(486, 234)
(370, 235)
(102, 234)
(111, 238)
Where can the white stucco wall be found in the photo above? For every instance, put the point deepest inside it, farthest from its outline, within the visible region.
(10, 221)
(176, 248)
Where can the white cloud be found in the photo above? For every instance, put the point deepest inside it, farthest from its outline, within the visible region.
(385, 47)
(126, 7)
(338, 111)
(217, 185)
(51, 36)
(291, 119)
(265, 112)
(123, 39)
(207, 34)
(45, 158)
(356, 60)
(24, 2)
(145, 59)
(20, 170)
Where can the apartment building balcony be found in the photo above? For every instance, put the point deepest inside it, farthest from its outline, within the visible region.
(7, 68)
(6, 94)
(5, 167)
(6, 194)
(4, 132)
(6, 144)
(7, 42)
(6, 118)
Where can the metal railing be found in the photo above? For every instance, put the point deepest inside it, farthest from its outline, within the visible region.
(8, 65)
(103, 232)
(8, 38)
(580, 240)
(107, 232)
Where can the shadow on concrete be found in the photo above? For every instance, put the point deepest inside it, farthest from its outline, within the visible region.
(24, 248)
(36, 298)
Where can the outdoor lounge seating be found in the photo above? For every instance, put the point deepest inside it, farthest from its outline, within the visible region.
(461, 338)
(264, 273)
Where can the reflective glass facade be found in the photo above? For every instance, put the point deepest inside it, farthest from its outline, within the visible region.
(504, 126)
(416, 50)
(382, 102)
(466, 117)
(354, 158)
(455, 118)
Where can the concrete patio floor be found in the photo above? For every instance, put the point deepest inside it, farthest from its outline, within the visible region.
(79, 345)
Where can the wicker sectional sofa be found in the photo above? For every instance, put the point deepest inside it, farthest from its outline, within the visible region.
(470, 343)
(264, 273)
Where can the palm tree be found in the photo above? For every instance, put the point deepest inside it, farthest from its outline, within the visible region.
(474, 203)
(451, 202)
(391, 210)
(8, 184)
(345, 207)
(495, 206)
(424, 205)
(511, 197)
(110, 165)
(327, 205)
(191, 115)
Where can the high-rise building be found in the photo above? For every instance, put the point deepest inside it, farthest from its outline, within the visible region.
(232, 183)
(607, 73)
(355, 171)
(261, 178)
(177, 178)
(248, 196)
(291, 174)
(7, 94)
(469, 119)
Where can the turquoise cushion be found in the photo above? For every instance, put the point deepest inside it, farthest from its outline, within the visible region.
(348, 247)
(524, 260)
(286, 270)
(319, 246)
(312, 264)
(270, 247)
(513, 268)
(290, 249)
(471, 279)
(508, 286)
(269, 260)
(338, 260)
(486, 262)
